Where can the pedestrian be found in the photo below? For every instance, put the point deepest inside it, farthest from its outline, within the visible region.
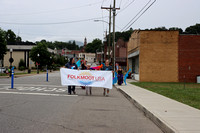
(107, 67)
(88, 88)
(71, 65)
(120, 75)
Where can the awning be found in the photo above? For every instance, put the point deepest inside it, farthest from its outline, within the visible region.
(136, 53)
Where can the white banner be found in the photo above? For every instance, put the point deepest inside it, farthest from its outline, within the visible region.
(86, 78)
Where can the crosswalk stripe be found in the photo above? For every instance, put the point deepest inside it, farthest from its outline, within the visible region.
(41, 94)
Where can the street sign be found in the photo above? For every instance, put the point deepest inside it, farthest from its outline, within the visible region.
(11, 60)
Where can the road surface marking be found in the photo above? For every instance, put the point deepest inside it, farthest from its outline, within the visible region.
(41, 94)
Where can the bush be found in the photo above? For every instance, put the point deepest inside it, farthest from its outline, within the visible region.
(33, 67)
(21, 68)
(21, 63)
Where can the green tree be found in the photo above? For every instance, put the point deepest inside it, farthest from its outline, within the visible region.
(123, 35)
(93, 46)
(60, 60)
(10, 36)
(176, 28)
(3, 47)
(194, 29)
(44, 54)
(21, 65)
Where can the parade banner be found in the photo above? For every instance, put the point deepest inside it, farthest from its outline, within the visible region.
(90, 78)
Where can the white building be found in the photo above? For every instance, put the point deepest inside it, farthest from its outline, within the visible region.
(89, 57)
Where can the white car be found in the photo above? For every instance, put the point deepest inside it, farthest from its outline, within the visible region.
(2, 70)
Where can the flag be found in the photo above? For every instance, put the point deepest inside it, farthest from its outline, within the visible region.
(115, 78)
(126, 76)
(78, 63)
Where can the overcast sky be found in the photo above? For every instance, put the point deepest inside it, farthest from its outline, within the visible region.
(64, 20)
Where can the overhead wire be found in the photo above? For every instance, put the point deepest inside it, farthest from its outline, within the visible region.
(126, 7)
(141, 14)
(136, 15)
(53, 23)
(49, 11)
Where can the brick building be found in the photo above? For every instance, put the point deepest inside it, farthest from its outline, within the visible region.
(164, 56)
(189, 57)
(120, 53)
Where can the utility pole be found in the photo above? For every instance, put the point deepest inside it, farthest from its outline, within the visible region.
(114, 14)
(109, 39)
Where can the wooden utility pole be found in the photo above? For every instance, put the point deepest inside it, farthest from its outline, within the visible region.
(114, 14)
(109, 39)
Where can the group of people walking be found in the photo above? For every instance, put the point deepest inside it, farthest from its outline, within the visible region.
(85, 66)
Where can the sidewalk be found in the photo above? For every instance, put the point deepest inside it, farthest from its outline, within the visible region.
(170, 115)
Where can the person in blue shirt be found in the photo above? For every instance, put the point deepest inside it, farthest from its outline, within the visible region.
(71, 65)
(107, 67)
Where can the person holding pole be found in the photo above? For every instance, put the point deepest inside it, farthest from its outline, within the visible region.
(107, 67)
(71, 65)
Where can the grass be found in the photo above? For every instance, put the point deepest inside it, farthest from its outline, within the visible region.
(21, 73)
(190, 95)
(3, 74)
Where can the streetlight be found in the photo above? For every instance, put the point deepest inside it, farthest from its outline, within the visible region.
(38, 55)
(109, 39)
(11, 60)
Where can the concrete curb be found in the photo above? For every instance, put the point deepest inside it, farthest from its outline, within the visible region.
(160, 123)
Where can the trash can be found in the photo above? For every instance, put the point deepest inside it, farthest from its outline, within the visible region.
(198, 79)
(29, 70)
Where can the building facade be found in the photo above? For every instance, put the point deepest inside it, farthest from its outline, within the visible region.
(164, 56)
(89, 57)
(153, 55)
(189, 58)
(18, 52)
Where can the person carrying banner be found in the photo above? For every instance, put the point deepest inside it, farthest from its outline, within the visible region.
(88, 88)
(107, 67)
(71, 65)
(83, 67)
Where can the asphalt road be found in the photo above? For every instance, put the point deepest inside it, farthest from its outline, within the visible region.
(37, 106)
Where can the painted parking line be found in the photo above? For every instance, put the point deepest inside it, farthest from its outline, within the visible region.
(41, 94)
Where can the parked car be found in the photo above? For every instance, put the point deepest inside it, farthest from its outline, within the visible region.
(2, 70)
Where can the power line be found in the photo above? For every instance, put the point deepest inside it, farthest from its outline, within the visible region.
(49, 11)
(141, 14)
(53, 23)
(126, 6)
(136, 15)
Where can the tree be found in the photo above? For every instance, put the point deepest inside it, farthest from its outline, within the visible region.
(2, 44)
(125, 35)
(95, 45)
(44, 54)
(176, 28)
(21, 65)
(10, 36)
(194, 29)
